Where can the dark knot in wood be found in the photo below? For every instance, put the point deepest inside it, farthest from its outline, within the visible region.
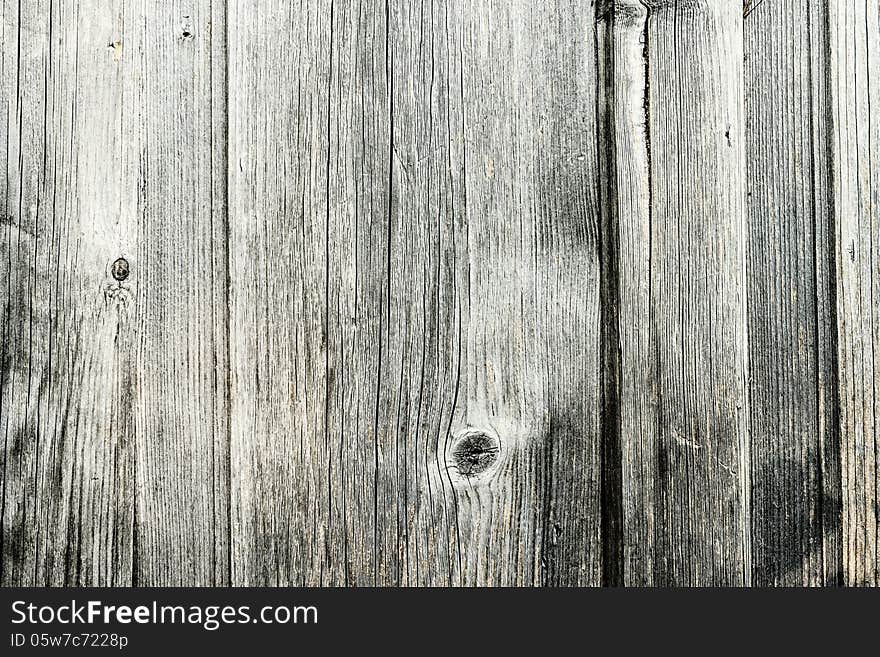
(119, 269)
(474, 453)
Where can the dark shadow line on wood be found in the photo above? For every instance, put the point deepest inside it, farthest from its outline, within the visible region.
(780, 563)
(831, 521)
(750, 6)
(609, 308)
(386, 325)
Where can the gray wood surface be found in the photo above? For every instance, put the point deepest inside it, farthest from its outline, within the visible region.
(439, 295)
(855, 87)
(684, 421)
(791, 302)
(410, 292)
(113, 391)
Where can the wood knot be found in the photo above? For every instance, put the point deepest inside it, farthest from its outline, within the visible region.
(475, 452)
(119, 269)
(186, 31)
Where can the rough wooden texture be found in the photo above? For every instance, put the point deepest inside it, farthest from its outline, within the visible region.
(683, 408)
(532, 375)
(113, 391)
(407, 292)
(436, 304)
(279, 167)
(793, 423)
(855, 139)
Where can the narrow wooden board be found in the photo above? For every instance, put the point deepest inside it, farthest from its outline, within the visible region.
(533, 337)
(855, 140)
(113, 387)
(683, 406)
(282, 493)
(792, 353)
(427, 294)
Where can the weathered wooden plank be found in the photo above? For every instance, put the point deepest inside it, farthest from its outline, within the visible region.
(113, 392)
(427, 289)
(367, 422)
(360, 495)
(175, 140)
(626, 203)
(279, 141)
(684, 415)
(579, 521)
(793, 398)
(424, 196)
(855, 143)
(531, 381)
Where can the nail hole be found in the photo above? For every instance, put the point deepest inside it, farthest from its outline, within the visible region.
(474, 453)
(119, 269)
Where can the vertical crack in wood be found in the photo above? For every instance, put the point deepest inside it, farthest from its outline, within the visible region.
(227, 230)
(609, 305)
(834, 553)
(384, 322)
(828, 408)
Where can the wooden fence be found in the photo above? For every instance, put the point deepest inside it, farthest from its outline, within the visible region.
(411, 292)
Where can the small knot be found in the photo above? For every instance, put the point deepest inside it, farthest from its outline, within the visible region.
(119, 269)
(186, 29)
(474, 453)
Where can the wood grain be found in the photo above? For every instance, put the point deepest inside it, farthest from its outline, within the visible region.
(408, 227)
(532, 352)
(684, 407)
(113, 391)
(793, 424)
(410, 293)
(855, 140)
(279, 159)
